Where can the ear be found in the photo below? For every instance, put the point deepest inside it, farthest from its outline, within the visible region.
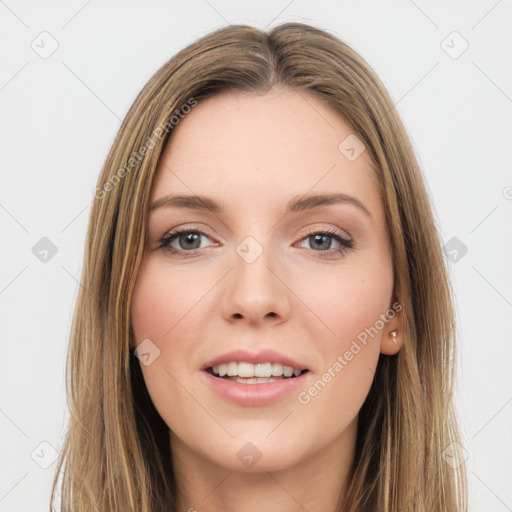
(392, 334)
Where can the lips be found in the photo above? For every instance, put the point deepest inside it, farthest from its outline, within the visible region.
(256, 394)
(254, 391)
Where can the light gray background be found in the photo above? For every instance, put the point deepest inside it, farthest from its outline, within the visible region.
(59, 116)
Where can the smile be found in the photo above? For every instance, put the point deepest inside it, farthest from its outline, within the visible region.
(255, 391)
(248, 373)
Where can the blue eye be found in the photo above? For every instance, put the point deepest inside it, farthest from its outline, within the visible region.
(189, 241)
(187, 238)
(319, 237)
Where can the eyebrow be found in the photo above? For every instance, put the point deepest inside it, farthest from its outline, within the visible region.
(296, 204)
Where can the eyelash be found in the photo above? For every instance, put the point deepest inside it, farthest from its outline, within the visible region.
(346, 244)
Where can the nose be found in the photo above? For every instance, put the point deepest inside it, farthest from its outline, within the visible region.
(254, 290)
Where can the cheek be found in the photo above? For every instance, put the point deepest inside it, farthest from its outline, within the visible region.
(348, 302)
(352, 306)
(159, 315)
(163, 316)
(159, 307)
(150, 305)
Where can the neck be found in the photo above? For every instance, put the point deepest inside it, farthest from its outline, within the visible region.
(317, 482)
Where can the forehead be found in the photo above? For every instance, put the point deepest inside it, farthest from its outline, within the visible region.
(256, 149)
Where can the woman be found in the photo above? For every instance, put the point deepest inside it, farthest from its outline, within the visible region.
(265, 319)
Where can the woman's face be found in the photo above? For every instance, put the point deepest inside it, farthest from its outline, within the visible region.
(256, 276)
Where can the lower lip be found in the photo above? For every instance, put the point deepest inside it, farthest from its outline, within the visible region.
(254, 395)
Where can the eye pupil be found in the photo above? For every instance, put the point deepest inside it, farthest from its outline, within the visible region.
(318, 237)
(191, 237)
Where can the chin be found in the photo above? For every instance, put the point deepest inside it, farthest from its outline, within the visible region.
(250, 455)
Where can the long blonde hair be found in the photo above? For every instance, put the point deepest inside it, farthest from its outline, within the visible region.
(116, 453)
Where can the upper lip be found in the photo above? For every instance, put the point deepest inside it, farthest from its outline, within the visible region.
(267, 355)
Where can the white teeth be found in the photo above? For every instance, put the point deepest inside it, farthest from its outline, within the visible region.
(277, 369)
(260, 370)
(287, 371)
(246, 370)
(263, 370)
(232, 369)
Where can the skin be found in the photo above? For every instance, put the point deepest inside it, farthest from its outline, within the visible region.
(254, 153)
